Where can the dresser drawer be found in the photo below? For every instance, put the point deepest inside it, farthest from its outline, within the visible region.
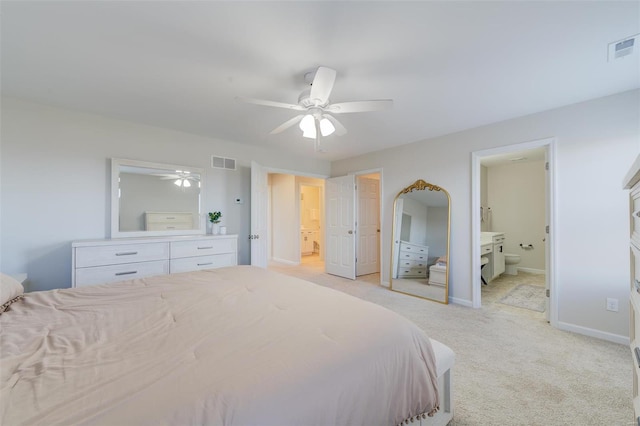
(412, 272)
(635, 214)
(120, 253)
(414, 248)
(177, 226)
(187, 264)
(412, 256)
(488, 248)
(202, 247)
(114, 273)
(408, 263)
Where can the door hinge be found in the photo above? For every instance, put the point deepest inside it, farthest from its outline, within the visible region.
(546, 229)
(546, 165)
(548, 293)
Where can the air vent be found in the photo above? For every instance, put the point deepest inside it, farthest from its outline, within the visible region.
(223, 163)
(620, 49)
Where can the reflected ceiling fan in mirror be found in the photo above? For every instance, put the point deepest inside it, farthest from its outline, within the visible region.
(182, 178)
(317, 117)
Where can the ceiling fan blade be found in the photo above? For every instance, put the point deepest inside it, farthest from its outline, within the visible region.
(360, 106)
(270, 103)
(340, 130)
(284, 126)
(322, 85)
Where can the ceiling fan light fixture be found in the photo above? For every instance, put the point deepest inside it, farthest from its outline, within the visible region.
(308, 126)
(326, 127)
(178, 182)
(186, 183)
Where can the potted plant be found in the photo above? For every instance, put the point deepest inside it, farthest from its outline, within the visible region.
(214, 218)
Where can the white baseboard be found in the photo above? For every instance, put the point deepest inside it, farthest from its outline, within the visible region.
(532, 270)
(286, 262)
(461, 302)
(615, 338)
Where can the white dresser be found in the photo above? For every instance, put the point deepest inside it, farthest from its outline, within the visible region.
(412, 260)
(106, 261)
(632, 182)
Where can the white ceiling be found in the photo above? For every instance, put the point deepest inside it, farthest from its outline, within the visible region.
(449, 66)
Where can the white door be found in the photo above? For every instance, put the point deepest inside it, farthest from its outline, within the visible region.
(259, 201)
(340, 227)
(368, 226)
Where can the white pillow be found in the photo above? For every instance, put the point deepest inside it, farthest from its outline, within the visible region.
(10, 291)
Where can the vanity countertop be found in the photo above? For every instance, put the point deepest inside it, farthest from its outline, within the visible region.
(487, 237)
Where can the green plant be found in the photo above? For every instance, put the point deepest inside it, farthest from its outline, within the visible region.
(214, 217)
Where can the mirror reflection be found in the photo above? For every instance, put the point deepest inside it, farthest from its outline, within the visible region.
(155, 199)
(420, 249)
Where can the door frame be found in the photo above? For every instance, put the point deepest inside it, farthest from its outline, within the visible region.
(550, 267)
(269, 170)
(378, 170)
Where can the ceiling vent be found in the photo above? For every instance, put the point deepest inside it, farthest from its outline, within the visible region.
(223, 163)
(620, 49)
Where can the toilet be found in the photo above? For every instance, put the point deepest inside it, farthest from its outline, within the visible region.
(510, 262)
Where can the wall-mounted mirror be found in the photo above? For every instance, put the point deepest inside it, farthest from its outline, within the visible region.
(420, 245)
(151, 199)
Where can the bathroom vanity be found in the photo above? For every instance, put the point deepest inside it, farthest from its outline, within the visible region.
(492, 247)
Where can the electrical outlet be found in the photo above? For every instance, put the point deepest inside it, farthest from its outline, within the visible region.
(612, 304)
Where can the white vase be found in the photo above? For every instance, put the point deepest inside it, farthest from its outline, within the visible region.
(215, 229)
(209, 228)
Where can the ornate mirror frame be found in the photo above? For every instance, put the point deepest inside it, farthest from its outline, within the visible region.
(119, 166)
(432, 291)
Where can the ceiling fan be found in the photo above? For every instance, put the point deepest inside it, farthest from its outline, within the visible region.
(317, 117)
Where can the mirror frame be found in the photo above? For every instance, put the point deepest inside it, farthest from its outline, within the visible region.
(421, 185)
(116, 164)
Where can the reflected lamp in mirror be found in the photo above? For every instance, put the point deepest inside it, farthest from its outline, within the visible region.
(420, 244)
(153, 199)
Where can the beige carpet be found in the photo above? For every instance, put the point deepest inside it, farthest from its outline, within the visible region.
(512, 368)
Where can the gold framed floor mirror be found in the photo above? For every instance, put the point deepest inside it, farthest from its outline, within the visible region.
(420, 243)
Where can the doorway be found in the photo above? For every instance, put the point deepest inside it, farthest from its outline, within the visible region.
(513, 214)
(273, 239)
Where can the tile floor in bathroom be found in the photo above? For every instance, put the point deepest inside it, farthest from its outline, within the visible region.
(502, 285)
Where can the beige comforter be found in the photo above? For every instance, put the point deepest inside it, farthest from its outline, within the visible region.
(230, 346)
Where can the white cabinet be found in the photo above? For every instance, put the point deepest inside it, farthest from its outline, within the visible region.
(632, 182)
(308, 240)
(493, 249)
(412, 260)
(106, 261)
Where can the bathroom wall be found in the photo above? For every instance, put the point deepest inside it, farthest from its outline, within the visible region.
(516, 195)
(310, 207)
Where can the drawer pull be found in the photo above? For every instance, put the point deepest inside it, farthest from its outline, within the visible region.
(636, 350)
(637, 213)
(170, 217)
(205, 264)
(127, 253)
(126, 273)
(637, 284)
(205, 248)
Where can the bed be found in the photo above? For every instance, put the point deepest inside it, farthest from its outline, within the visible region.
(231, 346)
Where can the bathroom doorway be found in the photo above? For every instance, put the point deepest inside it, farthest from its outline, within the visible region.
(311, 229)
(513, 208)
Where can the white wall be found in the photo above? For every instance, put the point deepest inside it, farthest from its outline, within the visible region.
(516, 195)
(285, 235)
(597, 142)
(55, 177)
